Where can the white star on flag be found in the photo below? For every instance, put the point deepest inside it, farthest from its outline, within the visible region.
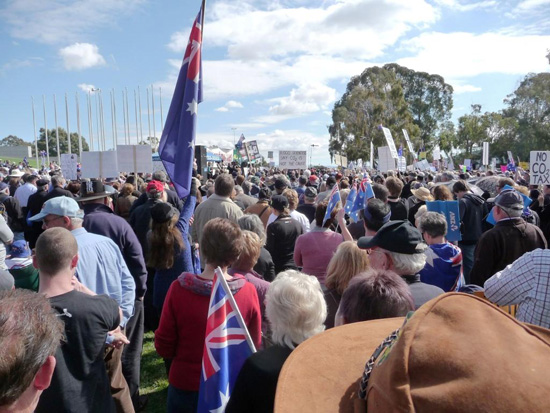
(224, 399)
(193, 107)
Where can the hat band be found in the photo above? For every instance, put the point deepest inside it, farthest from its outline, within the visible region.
(370, 364)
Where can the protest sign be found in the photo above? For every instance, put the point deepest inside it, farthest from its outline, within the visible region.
(134, 158)
(436, 153)
(452, 214)
(510, 156)
(409, 144)
(524, 165)
(252, 150)
(485, 153)
(386, 162)
(293, 159)
(402, 164)
(99, 164)
(69, 162)
(371, 160)
(540, 168)
(422, 165)
(391, 143)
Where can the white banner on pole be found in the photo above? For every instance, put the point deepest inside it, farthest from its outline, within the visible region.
(371, 155)
(386, 161)
(99, 165)
(485, 153)
(69, 165)
(510, 156)
(293, 159)
(436, 154)
(540, 168)
(409, 144)
(402, 164)
(134, 158)
(391, 143)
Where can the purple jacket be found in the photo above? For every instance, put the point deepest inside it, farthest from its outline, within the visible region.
(100, 219)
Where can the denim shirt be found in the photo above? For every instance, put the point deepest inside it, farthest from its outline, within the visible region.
(102, 269)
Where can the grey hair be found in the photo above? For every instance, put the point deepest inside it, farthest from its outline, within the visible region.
(58, 180)
(407, 264)
(252, 222)
(433, 223)
(238, 189)
(295, 308)
(512, 213)
(76, 222)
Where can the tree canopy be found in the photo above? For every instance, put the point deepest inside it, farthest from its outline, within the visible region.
(397, 98)
(12, 140)
(63, 144)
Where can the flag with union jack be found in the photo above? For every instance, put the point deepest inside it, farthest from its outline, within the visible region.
(333, 199)
(225, 351)
(177, 143)
(364, 193)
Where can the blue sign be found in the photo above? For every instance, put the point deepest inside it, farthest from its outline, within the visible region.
(452, 215)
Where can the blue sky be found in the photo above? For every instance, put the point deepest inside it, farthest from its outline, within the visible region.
(272, 69)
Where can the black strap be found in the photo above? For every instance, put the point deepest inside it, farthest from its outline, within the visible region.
(261, 213)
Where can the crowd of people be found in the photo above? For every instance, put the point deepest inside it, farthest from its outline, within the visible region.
(112, 258)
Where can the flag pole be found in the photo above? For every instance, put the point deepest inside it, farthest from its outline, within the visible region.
(56, 130)
(127, 115)
(115, 119)
(90, 123)
(124, 117)
(153, 107)
(35, 136)
(140, 116)
(148, 116)
(68, 127)
(161, 117)
(225, 286)
(78, 125)
(136, 110)
(46, 131)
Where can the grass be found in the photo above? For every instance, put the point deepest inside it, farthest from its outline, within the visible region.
(154, 382)
(32, 161)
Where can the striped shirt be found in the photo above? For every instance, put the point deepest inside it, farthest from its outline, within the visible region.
(525, 282)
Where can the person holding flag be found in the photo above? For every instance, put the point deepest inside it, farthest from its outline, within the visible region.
(191, 326)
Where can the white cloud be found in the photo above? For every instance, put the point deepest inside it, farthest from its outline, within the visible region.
(465, 6)
(54, 21)
(20, 63)
(459, 88)
(465, 55)
(81, 56)
(530, 5)
(86, 87)
(231, 104)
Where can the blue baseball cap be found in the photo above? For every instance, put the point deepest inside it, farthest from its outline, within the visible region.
(62, 206)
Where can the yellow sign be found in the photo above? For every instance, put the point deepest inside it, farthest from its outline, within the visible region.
(524, 165)
(422, 155)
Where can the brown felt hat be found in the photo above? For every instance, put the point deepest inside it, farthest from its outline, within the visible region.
(456, 353)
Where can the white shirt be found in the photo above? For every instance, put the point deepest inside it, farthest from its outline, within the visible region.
(298, 216)
(23, 193)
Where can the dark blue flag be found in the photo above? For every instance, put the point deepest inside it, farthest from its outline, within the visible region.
(177, 144)
(452, 215)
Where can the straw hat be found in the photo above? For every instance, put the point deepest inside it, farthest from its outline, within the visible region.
(422, 194)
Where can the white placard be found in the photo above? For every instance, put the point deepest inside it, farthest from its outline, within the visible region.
(69, 164)
(402, 164)
(485, 153)
(134, 158)
(510, 157)
(391, 143)
(467, 163)
(99, 165)
(437, 154)
(540, 168)
(371, 162)
(422, 165)
(386, 161)
(409, 144)
(293, 159)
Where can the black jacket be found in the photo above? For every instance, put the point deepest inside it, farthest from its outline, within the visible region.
(472, 211)
(281, 238)
(58, 191)
(171, 197)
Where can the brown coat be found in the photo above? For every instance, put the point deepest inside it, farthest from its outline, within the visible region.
(262, 209)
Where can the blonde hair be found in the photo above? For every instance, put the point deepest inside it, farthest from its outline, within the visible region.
(250, 253)
(292, 197)
(348, 261)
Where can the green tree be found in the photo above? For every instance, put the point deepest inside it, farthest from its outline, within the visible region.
(372, 99)
(12, 140)
(529, 105)
(63, 144)
(430, 101)
(151, 140)
(472, 130)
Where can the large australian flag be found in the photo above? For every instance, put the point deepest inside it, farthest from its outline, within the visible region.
(225, 351)
(177, 144)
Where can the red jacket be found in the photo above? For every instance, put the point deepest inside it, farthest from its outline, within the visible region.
(182, 328)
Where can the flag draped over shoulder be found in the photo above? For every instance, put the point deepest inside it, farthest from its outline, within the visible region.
(177, 144)
(225, 351)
